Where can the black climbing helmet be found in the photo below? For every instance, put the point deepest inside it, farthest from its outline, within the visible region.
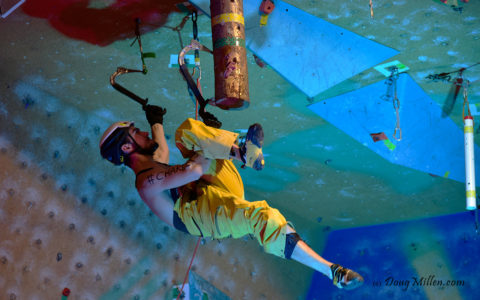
(112, 140)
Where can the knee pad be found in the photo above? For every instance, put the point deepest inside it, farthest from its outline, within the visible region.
(290, 243)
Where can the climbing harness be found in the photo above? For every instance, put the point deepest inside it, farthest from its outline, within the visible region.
(122, 70)
(391, 83)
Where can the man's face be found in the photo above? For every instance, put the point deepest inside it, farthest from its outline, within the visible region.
(142, 139)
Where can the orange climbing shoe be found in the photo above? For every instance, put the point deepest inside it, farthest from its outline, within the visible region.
(251, 149)
(345, 278)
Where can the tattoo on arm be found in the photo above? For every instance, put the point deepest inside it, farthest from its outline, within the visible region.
(152, 178)
(175, 169)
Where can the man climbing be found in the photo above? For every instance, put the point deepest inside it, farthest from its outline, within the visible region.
(205, 196)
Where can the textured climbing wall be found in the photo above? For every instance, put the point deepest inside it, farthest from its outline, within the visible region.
(86, 230)
(55, 101)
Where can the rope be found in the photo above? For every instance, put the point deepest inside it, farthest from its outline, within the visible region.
(199, 86)
(465, 97)
(188, 270)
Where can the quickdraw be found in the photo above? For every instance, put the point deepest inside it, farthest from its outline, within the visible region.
(391, 83)
(122, 70)
(445, 77)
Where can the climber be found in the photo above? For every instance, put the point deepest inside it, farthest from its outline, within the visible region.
(205, 196)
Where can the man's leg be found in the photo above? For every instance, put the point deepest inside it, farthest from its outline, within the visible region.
(213, 143)
(342, 277)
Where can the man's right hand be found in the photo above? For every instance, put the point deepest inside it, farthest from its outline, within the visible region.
(202, 161)
(154, 114)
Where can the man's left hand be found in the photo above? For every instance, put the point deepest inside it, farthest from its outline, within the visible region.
(154, 114)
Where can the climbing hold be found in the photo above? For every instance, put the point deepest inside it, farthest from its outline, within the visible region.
(259, 61)
(267, 6)
(378, 136)
(109, 251)
(91, 240)
(66, 292)
(59, 256)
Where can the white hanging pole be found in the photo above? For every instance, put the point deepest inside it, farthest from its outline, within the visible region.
(12, 8)
(469, 151)
(469, 163)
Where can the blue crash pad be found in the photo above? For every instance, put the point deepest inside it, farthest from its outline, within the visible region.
(310, 53)
(430, 143)
(391, 257)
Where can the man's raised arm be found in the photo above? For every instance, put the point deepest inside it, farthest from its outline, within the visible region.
(154, 116)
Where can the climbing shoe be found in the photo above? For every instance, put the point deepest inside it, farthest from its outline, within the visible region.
(251, 149)
(345, 278)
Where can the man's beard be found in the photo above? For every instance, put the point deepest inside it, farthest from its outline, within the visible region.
(148, 150)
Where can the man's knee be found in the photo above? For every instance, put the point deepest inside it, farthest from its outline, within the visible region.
(290, 243)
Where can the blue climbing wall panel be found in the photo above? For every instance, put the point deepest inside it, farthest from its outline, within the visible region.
(430, 143)
(391, 258)
(310, 53)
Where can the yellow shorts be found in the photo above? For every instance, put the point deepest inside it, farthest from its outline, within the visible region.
(214, 206)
